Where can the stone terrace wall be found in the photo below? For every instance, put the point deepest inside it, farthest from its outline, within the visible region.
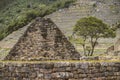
(60, 71)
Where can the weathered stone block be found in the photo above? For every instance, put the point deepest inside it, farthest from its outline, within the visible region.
(82, 75)
(84, 65)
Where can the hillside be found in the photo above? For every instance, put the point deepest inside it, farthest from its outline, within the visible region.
(17, 13)
(4, 3)
(106, 10)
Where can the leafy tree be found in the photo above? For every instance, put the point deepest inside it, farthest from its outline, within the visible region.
(91, 29)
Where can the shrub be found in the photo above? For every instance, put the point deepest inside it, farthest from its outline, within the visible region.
(2, 34)
(16, 24)
(11, 26)
(31, 14)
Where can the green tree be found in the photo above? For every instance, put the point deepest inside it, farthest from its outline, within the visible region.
(91, 29)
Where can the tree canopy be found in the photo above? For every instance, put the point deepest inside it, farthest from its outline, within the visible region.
(91, 28)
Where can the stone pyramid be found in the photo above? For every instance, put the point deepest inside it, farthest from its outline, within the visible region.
(43, 40)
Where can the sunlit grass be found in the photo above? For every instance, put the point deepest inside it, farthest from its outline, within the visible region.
(62, 61)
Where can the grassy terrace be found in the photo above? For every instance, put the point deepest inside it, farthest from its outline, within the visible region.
(63, 61)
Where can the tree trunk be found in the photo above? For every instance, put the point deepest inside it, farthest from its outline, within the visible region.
(89, 53)
(93, 44)
(84, 45)
(84, 50)
(92, 51)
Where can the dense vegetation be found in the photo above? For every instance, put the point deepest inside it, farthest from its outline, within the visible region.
(91, 29)
(18, 13)
(4, 3)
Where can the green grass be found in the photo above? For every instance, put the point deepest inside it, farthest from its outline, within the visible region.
(21, 12)
(60, 61)
(99, 50)
(96, 50)
(4, 52)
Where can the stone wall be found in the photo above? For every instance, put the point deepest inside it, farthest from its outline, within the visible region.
(115, 49)
(43, 40)
(60, 71)
(117, 45)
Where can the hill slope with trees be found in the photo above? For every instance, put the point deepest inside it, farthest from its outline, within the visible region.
(15, 14)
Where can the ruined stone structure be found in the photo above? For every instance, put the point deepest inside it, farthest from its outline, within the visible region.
(43, 41)
(60, 71)
(117, 45)
(115, 49)
(65, 19)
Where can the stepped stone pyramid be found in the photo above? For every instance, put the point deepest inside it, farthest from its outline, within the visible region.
(43, 40)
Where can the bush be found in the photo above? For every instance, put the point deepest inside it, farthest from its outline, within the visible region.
(47, 11)
(11, 26)
(16, 24)
(31, 14)
(2, 34)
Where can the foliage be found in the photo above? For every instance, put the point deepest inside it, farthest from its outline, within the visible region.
(3, 3)
(118, 25)
(20, 12)
(91, 29)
